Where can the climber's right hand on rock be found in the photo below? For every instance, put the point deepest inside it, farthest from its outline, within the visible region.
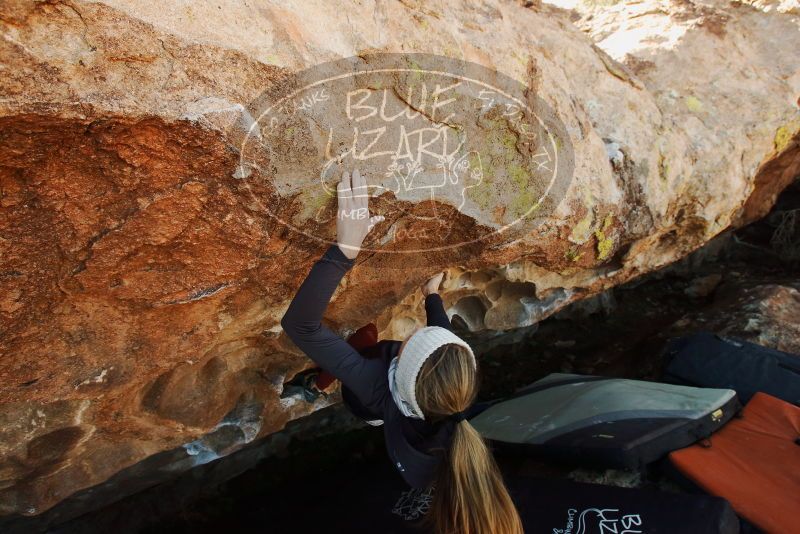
(353, 221)
(432, 285)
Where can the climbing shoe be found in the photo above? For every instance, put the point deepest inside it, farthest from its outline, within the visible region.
(304, 385)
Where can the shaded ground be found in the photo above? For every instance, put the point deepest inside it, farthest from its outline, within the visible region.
(272, 484)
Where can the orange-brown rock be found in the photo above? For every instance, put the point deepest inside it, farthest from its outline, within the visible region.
(141, 286)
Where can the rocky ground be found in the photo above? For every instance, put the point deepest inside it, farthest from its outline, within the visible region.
(744, 284)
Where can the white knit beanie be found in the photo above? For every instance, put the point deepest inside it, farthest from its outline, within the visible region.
(416, 351)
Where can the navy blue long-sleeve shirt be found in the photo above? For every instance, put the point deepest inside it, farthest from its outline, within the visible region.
(365, 380)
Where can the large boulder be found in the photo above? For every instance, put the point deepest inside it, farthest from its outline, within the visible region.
(144, 272)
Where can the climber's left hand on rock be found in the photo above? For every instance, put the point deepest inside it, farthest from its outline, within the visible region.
(353, 221)
(432, 285)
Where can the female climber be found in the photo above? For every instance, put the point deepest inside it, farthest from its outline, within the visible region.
(420, 389)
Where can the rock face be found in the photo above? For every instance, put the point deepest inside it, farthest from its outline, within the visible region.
(141, 287)
(765, 314)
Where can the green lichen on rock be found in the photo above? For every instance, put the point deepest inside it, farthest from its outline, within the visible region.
(507, 167)
(573, 254)
(482, 193)
(663, 167)
(313, 200)
(524, 204)
(784, 135)
(518, 175)
(509, 140)
(525, 201)
(694, 104)
(601, 3)
(417, 71)
(451, 51)
(500, 138)
(583, 230)
(508, 179)
(521, 60)
(605, 244)
(475, 161)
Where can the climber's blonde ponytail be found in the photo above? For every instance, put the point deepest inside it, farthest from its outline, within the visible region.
(469, 496)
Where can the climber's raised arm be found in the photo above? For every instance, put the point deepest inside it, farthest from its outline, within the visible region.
(434, 307)
(302, 321)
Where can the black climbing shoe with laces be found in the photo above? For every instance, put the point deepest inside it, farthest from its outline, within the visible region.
(303, 385)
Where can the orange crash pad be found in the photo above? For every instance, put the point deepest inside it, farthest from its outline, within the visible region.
(754, 463)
